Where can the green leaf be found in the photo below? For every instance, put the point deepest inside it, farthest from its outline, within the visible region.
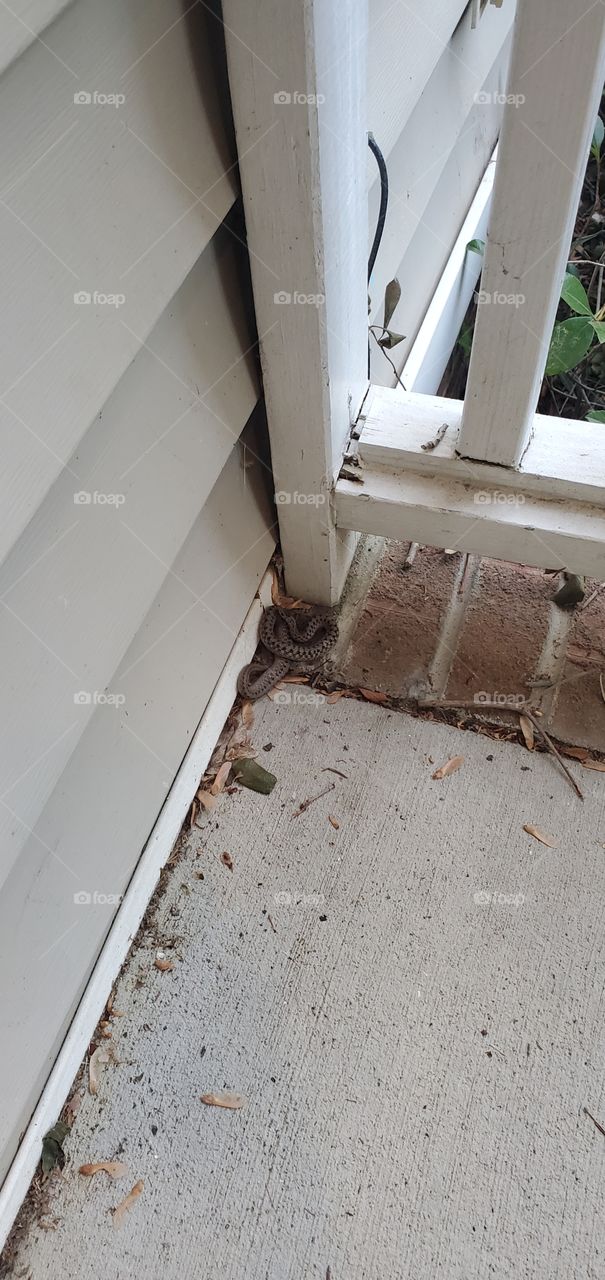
(392, 295)
(596, 415)
(252, 775)
(53, 1154)
(476, 246)
(465, 339)
(597, 138)
(575, 295)
(570, 341)
(599, 328)
(390, 339)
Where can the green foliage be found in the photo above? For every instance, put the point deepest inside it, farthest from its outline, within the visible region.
(596, 415)
(597, 139)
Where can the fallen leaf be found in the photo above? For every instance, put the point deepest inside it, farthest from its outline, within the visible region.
(450, 766)
(335, 697)
(221, 778)
(527, 729)
(105, 1054)
(247, 714)
(294, 679)
(206, 799)
(598, 765)
(373, 695)
(252, 775)
(334, 821)
(539, 835)
(231, 1101)
(53, 1155)
(122, 1209)
(576, 753)
(163, 964)
(72, 1106)
(227, 860)
(114, 1168)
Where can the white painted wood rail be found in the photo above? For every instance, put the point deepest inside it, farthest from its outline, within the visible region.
(555, 83)
(298, 86)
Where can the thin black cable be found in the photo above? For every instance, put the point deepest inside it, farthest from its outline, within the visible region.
(384, 200)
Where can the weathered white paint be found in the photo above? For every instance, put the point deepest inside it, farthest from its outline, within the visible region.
(91, 832)
(128, 918)
(303, 171)
(114, 199)
(556, 80)
(78, 584)
(23, 21)
(565, 457)
(437, 511)
(425, 366)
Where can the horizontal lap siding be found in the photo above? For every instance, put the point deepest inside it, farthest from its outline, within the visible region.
(117, 200)
(99, 816)
(155, 403)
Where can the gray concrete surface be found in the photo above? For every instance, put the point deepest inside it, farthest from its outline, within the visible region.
(417, 1027)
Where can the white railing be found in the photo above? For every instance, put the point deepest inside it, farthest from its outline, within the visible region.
(490, 475)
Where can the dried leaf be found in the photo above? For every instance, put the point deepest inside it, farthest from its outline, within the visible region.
(598, 765)
(163, 964)
(450, 766)
(334, 821)
(114, 1168)
(252, 775)
(122, 1209)
(101, 1057)
(72, 1106)
(206, 799)
(227, 860)
(576, 753)
(247, 714)
(374, 695)
(231, 1101)
(53, 1155)
(335, 697)
(527, 729)
(539, 835)
(221, 778)
(392, 294)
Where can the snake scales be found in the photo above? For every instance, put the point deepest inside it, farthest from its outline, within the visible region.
(294, 640)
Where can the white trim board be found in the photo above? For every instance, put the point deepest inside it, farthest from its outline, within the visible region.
(129, 916)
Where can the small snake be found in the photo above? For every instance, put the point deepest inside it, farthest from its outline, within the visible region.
(294, 639)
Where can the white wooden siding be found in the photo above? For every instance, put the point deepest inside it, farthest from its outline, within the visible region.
(119, 200)
(77, 585)
(22, 22)
(139, 597)
(405, 43)
(89, 836)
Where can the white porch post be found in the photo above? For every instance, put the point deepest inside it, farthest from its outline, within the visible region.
(556, 78)
(297, 71)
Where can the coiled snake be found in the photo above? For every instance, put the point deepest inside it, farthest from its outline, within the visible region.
(295, 640)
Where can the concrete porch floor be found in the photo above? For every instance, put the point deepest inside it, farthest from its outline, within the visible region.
(408, 996)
